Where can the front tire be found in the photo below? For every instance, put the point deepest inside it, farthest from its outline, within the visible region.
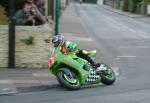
(68, 81)
(108, 76)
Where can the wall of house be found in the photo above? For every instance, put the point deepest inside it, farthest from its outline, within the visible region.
(29, 56)
(101, 2)
(109, 2)
(3, 46)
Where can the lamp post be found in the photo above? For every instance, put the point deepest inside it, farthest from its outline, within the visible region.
(11, 44)
(57, 15)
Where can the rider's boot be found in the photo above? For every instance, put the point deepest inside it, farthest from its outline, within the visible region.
(96, 65)
(99, 67)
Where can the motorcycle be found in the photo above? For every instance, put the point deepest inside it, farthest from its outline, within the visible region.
(73, 72)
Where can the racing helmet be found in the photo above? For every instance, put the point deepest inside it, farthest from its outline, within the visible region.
(58, 40)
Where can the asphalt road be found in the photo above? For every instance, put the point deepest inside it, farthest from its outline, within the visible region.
(123, 41)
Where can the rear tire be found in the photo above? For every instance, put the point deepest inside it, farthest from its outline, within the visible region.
(66, 81)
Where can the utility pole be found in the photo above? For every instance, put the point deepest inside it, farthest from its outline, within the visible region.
(11, 44)
(57, 16)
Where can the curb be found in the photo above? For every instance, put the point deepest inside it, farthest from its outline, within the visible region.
(17, 90)
(27, 86)
(36, 88)
(8, 91)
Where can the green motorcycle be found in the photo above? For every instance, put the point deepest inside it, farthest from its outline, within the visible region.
(73, 72)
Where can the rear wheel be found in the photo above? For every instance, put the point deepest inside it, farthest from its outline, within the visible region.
(107, 75)
(68, 79)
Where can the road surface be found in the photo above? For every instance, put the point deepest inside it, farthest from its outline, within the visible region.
(125, 42)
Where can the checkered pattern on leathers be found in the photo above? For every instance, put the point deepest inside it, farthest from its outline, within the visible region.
(92, 77)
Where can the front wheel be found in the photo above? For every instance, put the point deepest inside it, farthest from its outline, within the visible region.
(107, 75)
(68, 79)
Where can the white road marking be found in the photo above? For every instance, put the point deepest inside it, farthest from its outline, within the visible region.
(138, 47)
(125, 27)
(41, 75)
(132, 30)
(142, 34)
(126, 56)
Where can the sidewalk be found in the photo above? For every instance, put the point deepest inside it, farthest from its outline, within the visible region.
(70, 24)
(72, 28)
(141, 18)
(24, 80)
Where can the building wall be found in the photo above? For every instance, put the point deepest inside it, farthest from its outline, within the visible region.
(101, 2)
(50, 8)
(28, 56)
(3, 46)
(109, 2)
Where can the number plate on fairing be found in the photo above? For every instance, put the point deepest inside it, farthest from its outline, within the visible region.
(102, 67)
(92, 77)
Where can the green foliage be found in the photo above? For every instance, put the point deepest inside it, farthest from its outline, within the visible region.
(142, 6)
(90, 1)
(132, 5)
(5, 3)
(3, 17)
(28, 41)
(124, 5)
(139, 6)
(4, 11)
(117, 4)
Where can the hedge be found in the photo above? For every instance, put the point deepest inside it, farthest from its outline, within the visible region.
(142, 6)
(3, 17)
(124, 5)
(5, 4)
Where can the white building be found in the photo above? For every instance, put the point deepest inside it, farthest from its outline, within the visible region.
(101, 2)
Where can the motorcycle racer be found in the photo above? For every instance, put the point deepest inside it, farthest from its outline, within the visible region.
(67, 46)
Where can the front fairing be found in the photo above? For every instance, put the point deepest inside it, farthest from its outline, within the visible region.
(71, 61)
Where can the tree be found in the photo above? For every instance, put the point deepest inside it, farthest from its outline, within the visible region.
(5, 4)
(3, 17)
